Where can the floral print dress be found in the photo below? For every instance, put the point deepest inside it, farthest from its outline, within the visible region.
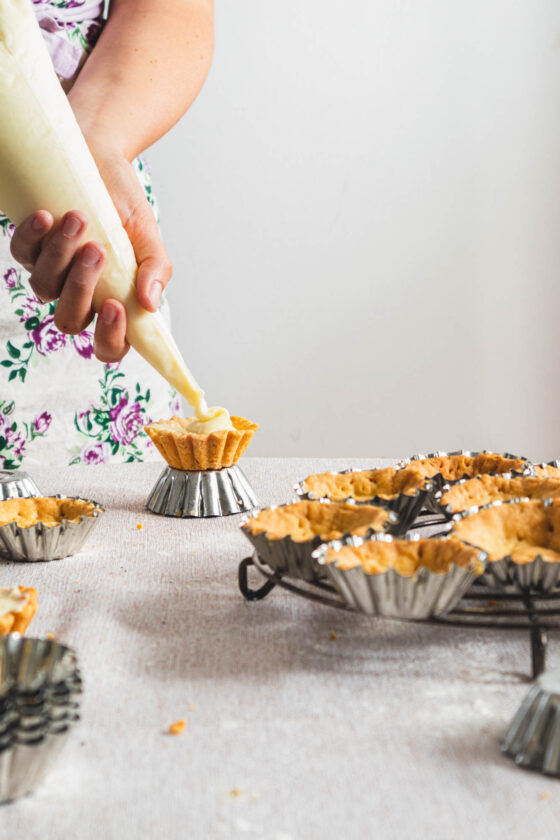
(58, 403)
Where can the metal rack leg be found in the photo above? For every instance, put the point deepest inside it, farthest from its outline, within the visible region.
(243, 581)
(539, 641)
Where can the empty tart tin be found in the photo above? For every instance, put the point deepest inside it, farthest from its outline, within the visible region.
(387, 593)
(287, 555)
(16, 483)
(533, 737)
(485, 489)
(201, 493)
(406, 505)
(489, 463)
(39, 702)
(538, 575)
(41, 542)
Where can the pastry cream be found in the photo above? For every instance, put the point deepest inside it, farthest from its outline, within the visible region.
(12, 600)
(45, 164)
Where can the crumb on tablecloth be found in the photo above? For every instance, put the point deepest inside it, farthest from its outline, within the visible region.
(139, 526)
(177, 727)
(332, 636)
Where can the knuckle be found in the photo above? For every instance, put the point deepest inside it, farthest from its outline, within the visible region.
(41, 290)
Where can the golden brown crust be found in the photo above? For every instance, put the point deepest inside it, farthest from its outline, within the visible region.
(453, 467)
(547, 471)
(304, 520)
(363, 485)
(185, 450)
(520, 530)
(492, 488)
(46, 509)
(406, 557)
(18, 621)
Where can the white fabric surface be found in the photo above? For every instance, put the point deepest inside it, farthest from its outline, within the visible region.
(390, 731)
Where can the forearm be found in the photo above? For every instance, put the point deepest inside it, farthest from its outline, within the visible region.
(145, 71)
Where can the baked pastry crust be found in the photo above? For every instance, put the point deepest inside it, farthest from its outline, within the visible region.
(302, 521)
(520, 530)
(17, 621)
(546, 471)
(485, 489)
(454, 467)
(406, 557)
(185, 450)
(49, 510)
(386, 483)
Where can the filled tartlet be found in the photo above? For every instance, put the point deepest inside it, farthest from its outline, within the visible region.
(401, 490)
(402, 578)
(184, 449)
(286, 536)
(18, 605)
(521, 538)
(45, 527)
(484, 489)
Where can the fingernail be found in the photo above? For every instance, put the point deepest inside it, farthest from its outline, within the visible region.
(154, 293)
(71, 226)
(38, 223)
(90, 255)
(108, 314)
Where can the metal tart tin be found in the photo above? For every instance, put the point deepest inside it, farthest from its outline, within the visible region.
(538, 577)
(193, 494)
(439, 484)
(295, 559)
(16, 483)
(39, 691)
(425, 595)
(533, 737)
(406, 506)
(43, 542)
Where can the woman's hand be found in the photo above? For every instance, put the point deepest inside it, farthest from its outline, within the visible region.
(63, 267)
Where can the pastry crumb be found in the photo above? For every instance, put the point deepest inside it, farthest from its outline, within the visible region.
(235, 792)
(177, 727)
(192, 708)
(50, 635)
(544, 795)
(139, 526)
(332, 636)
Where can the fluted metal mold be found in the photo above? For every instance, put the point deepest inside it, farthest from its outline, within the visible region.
(16, 484)
(406, 506)
(532, 739)
(198, 494)
(295, 559)
(42, 542)
(427, 594)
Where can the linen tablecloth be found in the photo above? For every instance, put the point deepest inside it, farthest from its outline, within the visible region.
(388, 730)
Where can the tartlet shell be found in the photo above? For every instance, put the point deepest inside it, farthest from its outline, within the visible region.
(18, 621)
(532, 739)
(406, 506)
(189, 451)
(292, 558)
(388, 594)
(41, 542)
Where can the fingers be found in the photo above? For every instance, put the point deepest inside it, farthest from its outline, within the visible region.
(110, 344)
(57, 253)
(25, 245)
(154, 266)
(74, 309)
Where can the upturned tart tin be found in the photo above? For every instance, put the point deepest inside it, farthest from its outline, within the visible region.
(538, 577)
(295, 559)
(16, 484)
(406, 506)
(533, 737)
(388, 594)
(42, 542)
(201, 493)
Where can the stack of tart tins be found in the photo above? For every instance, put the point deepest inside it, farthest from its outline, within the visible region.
(45, 527)
(521, 538)
(410, 578)
(401, 490)
(40, 687)
(285, 536)
(533, 737)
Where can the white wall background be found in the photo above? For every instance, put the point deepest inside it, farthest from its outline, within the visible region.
(363, 211)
